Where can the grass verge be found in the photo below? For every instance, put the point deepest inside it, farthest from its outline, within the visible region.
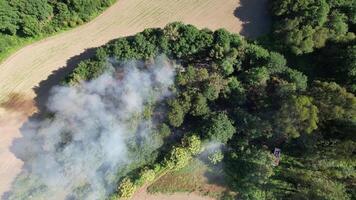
(197, 177)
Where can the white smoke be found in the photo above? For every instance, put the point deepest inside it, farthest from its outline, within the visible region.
(77, 152)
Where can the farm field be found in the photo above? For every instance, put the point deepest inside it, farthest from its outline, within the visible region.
(22, 73)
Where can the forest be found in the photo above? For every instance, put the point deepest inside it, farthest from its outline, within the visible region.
(248, 98)
(293, 89)
(23, 20)
(319, 36)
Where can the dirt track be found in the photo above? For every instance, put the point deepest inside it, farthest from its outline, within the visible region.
(24, 70)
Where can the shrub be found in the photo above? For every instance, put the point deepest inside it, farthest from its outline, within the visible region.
(193, 144)
(147, 175)
(126, 188)
(178, 158)
(216, 157)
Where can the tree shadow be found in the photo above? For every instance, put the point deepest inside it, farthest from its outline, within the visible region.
(254, 14)
(42, 91)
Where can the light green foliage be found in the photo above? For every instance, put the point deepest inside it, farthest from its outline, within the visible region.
(178, 158)
(147, 175)
(296, 78)
(32, 14)
(101, 54)
(215, 157)
(235, 91)
(126, 188)
(227, 67)
(187, 39)
(193, 144)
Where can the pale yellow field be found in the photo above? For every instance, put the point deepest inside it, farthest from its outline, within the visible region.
(24, 70)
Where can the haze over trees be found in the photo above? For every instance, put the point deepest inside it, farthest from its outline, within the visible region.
(247, 98)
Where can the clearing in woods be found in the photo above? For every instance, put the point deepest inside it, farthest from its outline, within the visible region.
(22, 73)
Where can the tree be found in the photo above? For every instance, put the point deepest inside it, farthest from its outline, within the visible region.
(314, 185)
(193, 144)
(126, 188)
(147, 175)
(30, 26)
(297, 115)
(303, 26)
(199, 106)
(213, 86)
(340, 65)
(219, 128)
(333, 101)
(178, 158)
(9, 18)
(38, 9)
(216, 157)
(250, 171)
(257, 76)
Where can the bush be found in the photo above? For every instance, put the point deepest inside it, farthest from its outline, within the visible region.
(193, 144)
(147, 175)
(216, 157)
(126, 188)
(219, 128)
(178, 158)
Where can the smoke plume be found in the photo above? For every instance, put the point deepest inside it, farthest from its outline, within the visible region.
(93, 133)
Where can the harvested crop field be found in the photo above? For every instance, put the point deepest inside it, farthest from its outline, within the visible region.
(31, 71)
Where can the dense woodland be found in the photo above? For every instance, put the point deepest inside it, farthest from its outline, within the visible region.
(26, 19)
(245, 95)
(241, 95)
(319, 36)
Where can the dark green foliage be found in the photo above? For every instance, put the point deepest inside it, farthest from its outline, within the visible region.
(219, 128)
(250, 172)
(22, 21)
(32, 18)
(340, 65)
(8, 17)
(296, 116)
(176, 114)
(302, 26)
(333, 101)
